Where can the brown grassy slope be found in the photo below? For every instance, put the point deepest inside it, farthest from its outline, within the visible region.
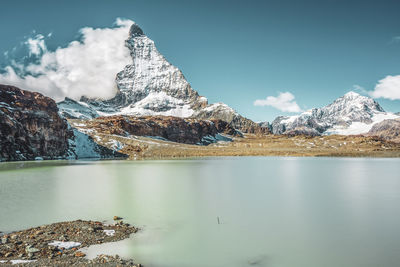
(251, 145)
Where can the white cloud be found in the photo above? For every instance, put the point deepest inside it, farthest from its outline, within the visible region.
(87, 67)
(36, 45)
(388, 87)
(284, 102)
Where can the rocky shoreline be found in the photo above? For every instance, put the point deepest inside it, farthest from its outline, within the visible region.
(60, 244)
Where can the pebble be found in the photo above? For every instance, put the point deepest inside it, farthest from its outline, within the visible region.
(79, 254)
(30, 249)
(39, 232)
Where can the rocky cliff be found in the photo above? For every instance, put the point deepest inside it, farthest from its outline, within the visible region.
(181, 130)
(30, 126)
(387, 129)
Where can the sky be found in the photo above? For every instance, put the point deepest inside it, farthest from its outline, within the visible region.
(263, 58)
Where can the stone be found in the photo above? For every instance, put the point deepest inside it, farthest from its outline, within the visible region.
(79, 254)
(4, 240)
(31, 249)
(38, 232)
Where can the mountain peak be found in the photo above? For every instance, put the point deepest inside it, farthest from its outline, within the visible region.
(351, 94)
(135, 31)
(350, 114)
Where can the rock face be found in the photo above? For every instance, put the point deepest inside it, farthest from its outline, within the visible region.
(151, 86)
(302, 131)
(187, 131)
(30, 126)
(387, 129)
(349, 114)
(223, 112)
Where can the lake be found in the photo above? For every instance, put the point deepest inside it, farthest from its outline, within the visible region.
(235, 211)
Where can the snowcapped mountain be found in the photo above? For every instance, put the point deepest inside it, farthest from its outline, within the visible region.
(150, 85)
(349, 114)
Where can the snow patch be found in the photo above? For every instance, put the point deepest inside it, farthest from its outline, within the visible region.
(209, 139)
(360, 127)
(82, 146)
(115, 145)
(164, 104)
(65, 245)
(20, 261)
(109, 232)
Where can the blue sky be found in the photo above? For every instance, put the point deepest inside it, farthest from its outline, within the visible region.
(239, 51)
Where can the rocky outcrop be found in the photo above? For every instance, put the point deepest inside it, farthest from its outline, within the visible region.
(187, 131)
(30, 126)
(305, 131)
(387, 130)
(347, 115)
(221, 111)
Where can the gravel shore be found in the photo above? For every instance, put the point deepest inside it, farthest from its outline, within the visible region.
(58, 244)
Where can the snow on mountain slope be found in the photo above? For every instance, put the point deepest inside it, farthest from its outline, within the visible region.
(349, 114)
(72, 109)
(148, 86)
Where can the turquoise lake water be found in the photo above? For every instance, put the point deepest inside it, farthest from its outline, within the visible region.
(272, 211)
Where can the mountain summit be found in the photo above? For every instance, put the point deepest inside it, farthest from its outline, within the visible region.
(150, 85)
(349, 114)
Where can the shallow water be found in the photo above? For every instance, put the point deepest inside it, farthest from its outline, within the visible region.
(272, 211)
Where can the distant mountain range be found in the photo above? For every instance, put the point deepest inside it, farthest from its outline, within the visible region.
(349, 114)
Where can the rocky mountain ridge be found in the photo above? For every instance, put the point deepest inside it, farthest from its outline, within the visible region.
(349, 114)
(175, 129)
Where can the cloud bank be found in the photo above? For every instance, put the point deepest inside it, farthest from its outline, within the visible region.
(388, 87)
(83, 68)
(284, 102)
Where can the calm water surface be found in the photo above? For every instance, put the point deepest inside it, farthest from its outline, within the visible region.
(273, 211)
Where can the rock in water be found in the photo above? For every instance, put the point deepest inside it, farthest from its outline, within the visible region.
(30, 126)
